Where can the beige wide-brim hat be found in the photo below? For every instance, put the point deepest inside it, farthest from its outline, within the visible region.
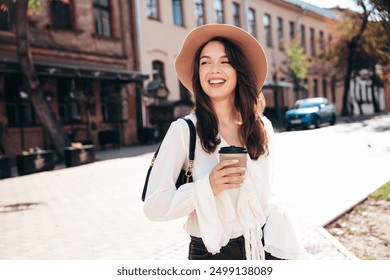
(251, 48)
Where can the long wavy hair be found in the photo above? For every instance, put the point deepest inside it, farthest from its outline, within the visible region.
(247, 101)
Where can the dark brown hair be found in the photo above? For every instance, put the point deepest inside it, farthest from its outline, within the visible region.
(246, 102)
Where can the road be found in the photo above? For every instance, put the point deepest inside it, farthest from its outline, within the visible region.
(330, 169)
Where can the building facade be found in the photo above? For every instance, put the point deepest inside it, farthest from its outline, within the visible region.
(163, 25)
(86, 58)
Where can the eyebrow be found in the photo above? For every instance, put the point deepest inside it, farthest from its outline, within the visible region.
(207, 56)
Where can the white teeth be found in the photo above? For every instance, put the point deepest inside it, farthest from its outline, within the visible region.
(216, 81)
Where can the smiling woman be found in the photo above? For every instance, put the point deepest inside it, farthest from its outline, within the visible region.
(230, 213)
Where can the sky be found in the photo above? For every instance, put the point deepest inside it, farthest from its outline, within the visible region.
(331, 3)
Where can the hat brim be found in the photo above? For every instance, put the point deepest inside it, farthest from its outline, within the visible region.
(251, 48)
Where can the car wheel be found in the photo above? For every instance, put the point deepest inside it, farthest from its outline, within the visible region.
(317, 122)
(333, 120)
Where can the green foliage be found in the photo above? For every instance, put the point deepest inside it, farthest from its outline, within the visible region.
(383, 192)
(35, 5)
(298, 65)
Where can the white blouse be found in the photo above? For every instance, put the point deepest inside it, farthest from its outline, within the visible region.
(232, 213)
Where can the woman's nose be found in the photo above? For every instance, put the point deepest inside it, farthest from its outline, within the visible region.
(215, 69)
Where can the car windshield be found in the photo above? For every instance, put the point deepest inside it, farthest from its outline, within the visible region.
(306, 105)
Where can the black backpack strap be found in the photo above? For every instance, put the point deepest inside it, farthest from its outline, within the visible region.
(191, 155)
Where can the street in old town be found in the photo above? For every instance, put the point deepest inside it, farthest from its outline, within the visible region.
(94, 211)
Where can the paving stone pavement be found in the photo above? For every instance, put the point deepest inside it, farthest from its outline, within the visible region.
(94, 212)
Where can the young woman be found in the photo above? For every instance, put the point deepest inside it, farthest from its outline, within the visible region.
(229, 208)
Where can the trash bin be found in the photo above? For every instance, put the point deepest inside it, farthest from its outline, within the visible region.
(5, 167)
(28, 163)
(75, 156)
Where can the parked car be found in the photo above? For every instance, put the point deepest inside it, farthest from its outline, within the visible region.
(310, 112)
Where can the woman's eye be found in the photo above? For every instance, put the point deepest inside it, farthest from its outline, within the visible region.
(203, 62)
(225, 62)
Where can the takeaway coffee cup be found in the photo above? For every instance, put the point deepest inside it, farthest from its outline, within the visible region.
(233, 152)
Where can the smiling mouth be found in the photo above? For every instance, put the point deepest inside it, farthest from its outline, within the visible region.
(216, 82)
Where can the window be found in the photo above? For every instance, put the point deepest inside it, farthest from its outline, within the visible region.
(236, 14)
(324, 88)
(279, 30)
(19, 109)
(177, 12)
(158, 70)
(322, 41)
(7, 15)
(302, 37)
(312, 42)
(61, 14)
(219, 14)
(252, 22)
(292, 31)
(68, 101)
(101, 12)
(199, 12)
(111, 102)
(152, 9)
(267, 27)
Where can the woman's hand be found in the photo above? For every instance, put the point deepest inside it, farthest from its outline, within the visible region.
(226, 175)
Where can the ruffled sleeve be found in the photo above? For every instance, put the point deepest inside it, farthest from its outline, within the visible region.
(280, 236)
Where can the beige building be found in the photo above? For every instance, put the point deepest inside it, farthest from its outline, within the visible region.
(163, 25)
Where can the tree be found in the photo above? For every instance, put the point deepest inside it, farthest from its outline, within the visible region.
(360, 42)
(48, 119)
(382, 12)
(298, 67)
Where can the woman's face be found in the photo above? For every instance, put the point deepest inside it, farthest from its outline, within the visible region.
(217, 77)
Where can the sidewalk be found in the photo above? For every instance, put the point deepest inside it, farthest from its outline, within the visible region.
(319, 244)
(95, 212)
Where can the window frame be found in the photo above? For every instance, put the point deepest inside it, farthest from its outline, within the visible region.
(280, 32)
(153, 9)
(268, 29)
(69, 24)
(23, 113)
(219, 11)
(10, 14)
(252, 22)
(302, 34)
(100, 28)
(236, 11)
(292, 30)
(69, 108)
(178, 18)
(199, 12)
(313, 49)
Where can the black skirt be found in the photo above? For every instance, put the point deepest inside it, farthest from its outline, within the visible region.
(234, 250)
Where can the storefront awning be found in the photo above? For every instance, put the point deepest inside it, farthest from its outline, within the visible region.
(56, 69)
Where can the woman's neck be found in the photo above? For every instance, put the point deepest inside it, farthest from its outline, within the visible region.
(226, 113)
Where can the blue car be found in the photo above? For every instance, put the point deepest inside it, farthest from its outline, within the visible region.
(310, 112)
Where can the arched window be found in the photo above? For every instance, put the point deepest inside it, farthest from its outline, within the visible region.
(158, 71)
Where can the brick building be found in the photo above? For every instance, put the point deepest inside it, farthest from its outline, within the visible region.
(85, 54)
